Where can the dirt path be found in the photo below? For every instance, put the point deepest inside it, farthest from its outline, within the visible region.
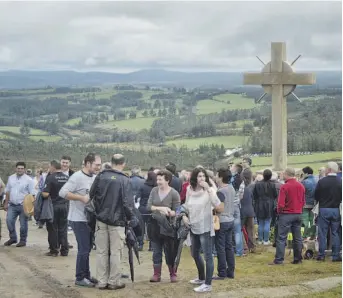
(26, 272)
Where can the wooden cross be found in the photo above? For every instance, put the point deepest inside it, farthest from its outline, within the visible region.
(278, 79)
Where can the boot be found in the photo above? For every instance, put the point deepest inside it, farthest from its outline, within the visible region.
(172, 272)
(157, 273)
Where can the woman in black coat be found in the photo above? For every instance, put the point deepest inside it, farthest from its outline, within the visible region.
(143, 197)
(265, 195)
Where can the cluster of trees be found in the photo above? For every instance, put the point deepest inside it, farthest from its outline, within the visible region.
(124, 87)
(204, 125)
(316, 126)
(36, 153)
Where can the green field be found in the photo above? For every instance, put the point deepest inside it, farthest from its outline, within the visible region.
(227, 141)
(314, 97)
(16, 129)
(239, 124)
(236, 102)
(73, 121)
(135, 146)
(48, 139)
(316, 160)
(129, 124)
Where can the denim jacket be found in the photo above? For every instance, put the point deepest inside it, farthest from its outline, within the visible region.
(310, 184)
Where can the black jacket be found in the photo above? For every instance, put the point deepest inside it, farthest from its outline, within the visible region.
(265, 195)
(143, 194)
(328, 192)
(113, 198)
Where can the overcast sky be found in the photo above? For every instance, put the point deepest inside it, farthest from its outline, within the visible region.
(192, 36)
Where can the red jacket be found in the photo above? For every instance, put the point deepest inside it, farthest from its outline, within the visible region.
(291, 197)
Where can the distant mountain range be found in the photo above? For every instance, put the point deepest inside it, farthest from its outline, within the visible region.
(16, 79)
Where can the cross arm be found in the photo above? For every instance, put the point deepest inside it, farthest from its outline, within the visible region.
(253, 78)
(284, 78)
(298, 78)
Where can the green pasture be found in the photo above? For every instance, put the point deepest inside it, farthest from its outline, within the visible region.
(236, 102)
(227, 141)
(73, 121)
(135, 146)
(315, 161)
(239, 124)
(47, 139)
(16, 129)
(129, 124)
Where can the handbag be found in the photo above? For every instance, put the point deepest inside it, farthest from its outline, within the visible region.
(216, 222)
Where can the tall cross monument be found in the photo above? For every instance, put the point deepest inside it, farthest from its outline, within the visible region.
(278, 79)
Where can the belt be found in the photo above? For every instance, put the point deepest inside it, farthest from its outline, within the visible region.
(15, 204)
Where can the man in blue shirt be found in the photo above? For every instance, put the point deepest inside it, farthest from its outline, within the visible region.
(18, 186)
(310, 183)
(339, 174)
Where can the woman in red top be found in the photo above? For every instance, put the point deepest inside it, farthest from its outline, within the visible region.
(185, 179)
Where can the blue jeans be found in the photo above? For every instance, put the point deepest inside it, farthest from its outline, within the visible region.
(12, 214)
(225, 251)
(84, 245)
(264, 229)
(203, 241)
(238, 231)
(329, 217)
(288, 222)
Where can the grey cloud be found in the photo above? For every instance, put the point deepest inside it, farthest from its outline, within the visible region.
(207, 35)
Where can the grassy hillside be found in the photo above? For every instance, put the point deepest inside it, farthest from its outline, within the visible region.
(227, 141)
(129, 124)
(316, 160)
(16, 130)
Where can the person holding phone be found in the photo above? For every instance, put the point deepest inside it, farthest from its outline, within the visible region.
(201, 200)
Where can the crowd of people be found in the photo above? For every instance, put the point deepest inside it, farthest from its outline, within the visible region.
(220, 210)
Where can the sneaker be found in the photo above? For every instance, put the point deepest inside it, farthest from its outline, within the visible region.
(10, 242)
(117, 286)
(203, 289)
(259, 242)
(217, 277)
(21, 244)
(51, 254)
(196, 281)
(93, 280)
(266, 243)
(274, 263)
(84, 283)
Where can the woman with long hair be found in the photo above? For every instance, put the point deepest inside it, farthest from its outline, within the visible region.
(143, 198)
(247, 208)
(163, 202)
(201, 200)
(264, 200)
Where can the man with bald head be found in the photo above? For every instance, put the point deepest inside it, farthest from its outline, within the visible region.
(114, 207)
(328, 194)
(290, 205)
